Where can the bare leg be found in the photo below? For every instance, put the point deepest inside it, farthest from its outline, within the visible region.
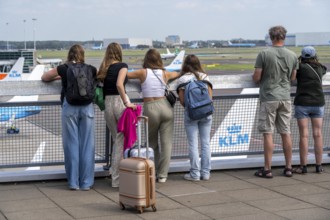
(287, 149)
(318, 139)
(303, 140)
(268, 150)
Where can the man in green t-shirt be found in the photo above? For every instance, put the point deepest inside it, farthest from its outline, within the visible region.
(275, 67)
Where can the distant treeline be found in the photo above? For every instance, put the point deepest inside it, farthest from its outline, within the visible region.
(45, 45)
(64, 45)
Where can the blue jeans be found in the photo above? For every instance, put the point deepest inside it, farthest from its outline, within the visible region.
(78, 144)
(202, 129)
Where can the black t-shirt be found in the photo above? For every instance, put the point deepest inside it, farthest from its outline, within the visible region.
(110, 81)
(309, 85)
(62, 70)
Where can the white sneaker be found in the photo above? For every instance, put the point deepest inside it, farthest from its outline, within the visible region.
(85, 189)
(74, 188)
(188, 177)
(205, 178)
(162, 179)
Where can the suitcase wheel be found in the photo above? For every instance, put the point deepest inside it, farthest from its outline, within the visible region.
(122, 206)
(154, 208)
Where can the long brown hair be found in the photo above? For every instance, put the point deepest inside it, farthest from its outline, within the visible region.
(112, 54)
(311, 60)
(153, 60)
(76, 54)
(192, 64)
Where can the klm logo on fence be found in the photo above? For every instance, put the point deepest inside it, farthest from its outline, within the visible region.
(14, 74)
(234, 137)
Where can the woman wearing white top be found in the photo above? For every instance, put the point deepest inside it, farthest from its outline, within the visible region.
(200, 170)
(157, 109)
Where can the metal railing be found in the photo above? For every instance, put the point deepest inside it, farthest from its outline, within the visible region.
(234, 130)
(39, 140)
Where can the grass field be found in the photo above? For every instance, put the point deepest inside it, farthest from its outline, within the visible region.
(224, 59)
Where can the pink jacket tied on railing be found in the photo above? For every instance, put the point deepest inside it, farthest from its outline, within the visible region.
(127, 125)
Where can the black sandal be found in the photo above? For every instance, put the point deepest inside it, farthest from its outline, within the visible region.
(319, 169)
(287, 172)
(264, 173)
(300, 170)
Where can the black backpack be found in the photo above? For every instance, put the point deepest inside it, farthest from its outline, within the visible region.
(81, 84)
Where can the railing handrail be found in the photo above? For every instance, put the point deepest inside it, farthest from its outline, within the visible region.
(38, 87)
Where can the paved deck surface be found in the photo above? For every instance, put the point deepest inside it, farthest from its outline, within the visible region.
(229, 194)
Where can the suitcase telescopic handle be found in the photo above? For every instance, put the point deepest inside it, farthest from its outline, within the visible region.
(145, 118)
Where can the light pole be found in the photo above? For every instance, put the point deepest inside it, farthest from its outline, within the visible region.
(34, 33)
(24, 35)
(7, 36)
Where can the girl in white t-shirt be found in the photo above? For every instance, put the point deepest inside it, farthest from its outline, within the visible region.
(200, 169)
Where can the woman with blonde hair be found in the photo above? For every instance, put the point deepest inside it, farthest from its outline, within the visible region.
(113, 74)
(153, 78)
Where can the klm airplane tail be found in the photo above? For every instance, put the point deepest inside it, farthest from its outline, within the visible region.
(176, 63)
(16, 71)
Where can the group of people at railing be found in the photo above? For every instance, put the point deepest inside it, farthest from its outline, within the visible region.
(275, 67)
(77, 139)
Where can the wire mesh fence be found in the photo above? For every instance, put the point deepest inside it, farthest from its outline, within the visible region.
(38, 141)
(234, 132)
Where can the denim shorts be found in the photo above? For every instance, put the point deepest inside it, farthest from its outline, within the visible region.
(308, 111)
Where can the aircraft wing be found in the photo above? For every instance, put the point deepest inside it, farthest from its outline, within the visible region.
(49, 61)
(34, 75)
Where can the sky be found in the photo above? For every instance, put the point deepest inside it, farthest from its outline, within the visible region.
(86, 20)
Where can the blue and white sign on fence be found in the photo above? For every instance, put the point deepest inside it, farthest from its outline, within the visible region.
(234, 132)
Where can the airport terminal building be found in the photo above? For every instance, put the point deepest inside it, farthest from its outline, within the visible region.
(13, 55)
(304, 39)
(173, 40)
(128, 43)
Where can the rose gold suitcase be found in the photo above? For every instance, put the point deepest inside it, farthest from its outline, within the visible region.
(137, 182)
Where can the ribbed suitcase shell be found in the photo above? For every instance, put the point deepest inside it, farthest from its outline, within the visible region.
(137, 182)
